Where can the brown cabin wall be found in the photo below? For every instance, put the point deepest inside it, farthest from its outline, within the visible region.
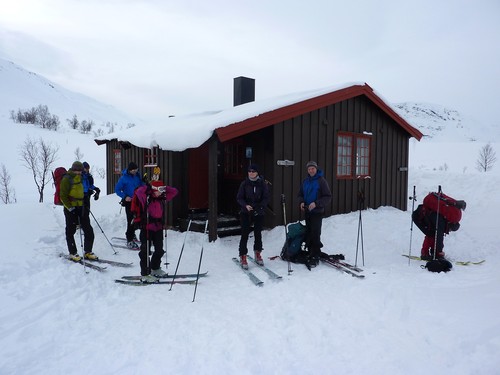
(312, 136)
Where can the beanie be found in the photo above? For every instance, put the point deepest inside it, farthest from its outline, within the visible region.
(77, 166)
(132, 166)
(86, 165)
(253, 167)
(312, 164)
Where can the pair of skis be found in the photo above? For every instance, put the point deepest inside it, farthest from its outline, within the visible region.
(92, 263)
(255, 280)
(457, 262)
(166, 280)
(345, 267)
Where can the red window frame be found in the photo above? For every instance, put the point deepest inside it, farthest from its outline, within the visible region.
(353, 155)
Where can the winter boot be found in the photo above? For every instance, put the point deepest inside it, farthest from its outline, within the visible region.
(149, 279)
(75, 257)
(159, 273)
(258, 258)
(243, 262)
(132, 245)
(91, 256)
(312, 262)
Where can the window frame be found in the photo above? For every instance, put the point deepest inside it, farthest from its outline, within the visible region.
(353, 155)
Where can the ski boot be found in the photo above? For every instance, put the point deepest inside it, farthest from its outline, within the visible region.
(258, 258)
(75, 257)
(159, 273)
(132, 245)
(243, 262)
(91, 256)
(149, 279)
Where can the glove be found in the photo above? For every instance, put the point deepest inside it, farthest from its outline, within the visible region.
(97, 192)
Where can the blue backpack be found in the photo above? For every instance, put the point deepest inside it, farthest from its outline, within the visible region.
(293, 249)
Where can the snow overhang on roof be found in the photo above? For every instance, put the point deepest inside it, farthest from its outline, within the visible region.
(183, 132)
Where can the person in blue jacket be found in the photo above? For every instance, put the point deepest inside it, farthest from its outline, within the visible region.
(314, 196)
(88, 187)
(125, 187)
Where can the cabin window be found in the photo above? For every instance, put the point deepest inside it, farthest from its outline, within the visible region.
(151, 157)
(234, 159)
(353, 155)
(117, 161)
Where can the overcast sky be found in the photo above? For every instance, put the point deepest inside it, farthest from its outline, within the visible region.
(154, 58)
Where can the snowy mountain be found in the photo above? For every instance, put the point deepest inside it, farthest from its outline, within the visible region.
(21, 89)
(399, 319)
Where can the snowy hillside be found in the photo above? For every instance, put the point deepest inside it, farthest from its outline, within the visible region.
(21, 89)
(399, 319)
(442, 124)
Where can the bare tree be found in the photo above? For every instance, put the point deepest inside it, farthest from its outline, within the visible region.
(38, 157)
(78, 154)
(487, 157)
(7, 194)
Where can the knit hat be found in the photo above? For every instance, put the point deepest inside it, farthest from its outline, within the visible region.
(253, 167)
(132, 166)
(312, 164)
(86, 165)
(77, 166)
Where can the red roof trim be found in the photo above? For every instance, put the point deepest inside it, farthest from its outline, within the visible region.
(281, 114)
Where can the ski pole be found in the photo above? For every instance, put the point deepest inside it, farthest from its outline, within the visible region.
(104, 234)
(437, 224)
(413, 199)
(199, 264)
(283, 203)
(165, 232)
(180, 255)
(361, 199)
(81, 245)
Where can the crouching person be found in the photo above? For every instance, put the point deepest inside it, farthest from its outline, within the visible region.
(148, 208)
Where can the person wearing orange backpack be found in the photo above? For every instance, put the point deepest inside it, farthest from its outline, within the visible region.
(148, 208)
(72, 195)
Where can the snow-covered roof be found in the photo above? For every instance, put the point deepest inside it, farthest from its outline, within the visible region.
(191, 131)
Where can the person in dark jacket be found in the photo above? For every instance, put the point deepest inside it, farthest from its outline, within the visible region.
(314, 195)
(253, 197)
(125, 187)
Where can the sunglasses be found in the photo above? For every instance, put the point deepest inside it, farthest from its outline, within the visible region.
(252, 171)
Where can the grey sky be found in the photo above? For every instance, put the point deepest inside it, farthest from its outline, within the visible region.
(152, 58)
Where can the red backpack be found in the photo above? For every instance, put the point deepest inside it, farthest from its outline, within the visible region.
(58, 175)
(449, 208)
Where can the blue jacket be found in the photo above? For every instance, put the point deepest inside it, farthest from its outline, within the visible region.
(127, 184)
(315, 189)
(88, 182)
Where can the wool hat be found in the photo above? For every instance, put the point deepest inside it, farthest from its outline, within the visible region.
(77, 166)
(312, 164)
(132, 166)
(86, 165)
(253, 167)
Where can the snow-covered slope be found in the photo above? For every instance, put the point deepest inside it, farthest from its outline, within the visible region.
(21, 89)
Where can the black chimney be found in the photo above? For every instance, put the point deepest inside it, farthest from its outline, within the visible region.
(244, 90)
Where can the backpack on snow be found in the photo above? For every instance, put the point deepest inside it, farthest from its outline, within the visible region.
(438, 265)
(292, 249)
(57, 176)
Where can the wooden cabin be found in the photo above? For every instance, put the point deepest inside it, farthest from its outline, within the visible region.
(357, 139)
